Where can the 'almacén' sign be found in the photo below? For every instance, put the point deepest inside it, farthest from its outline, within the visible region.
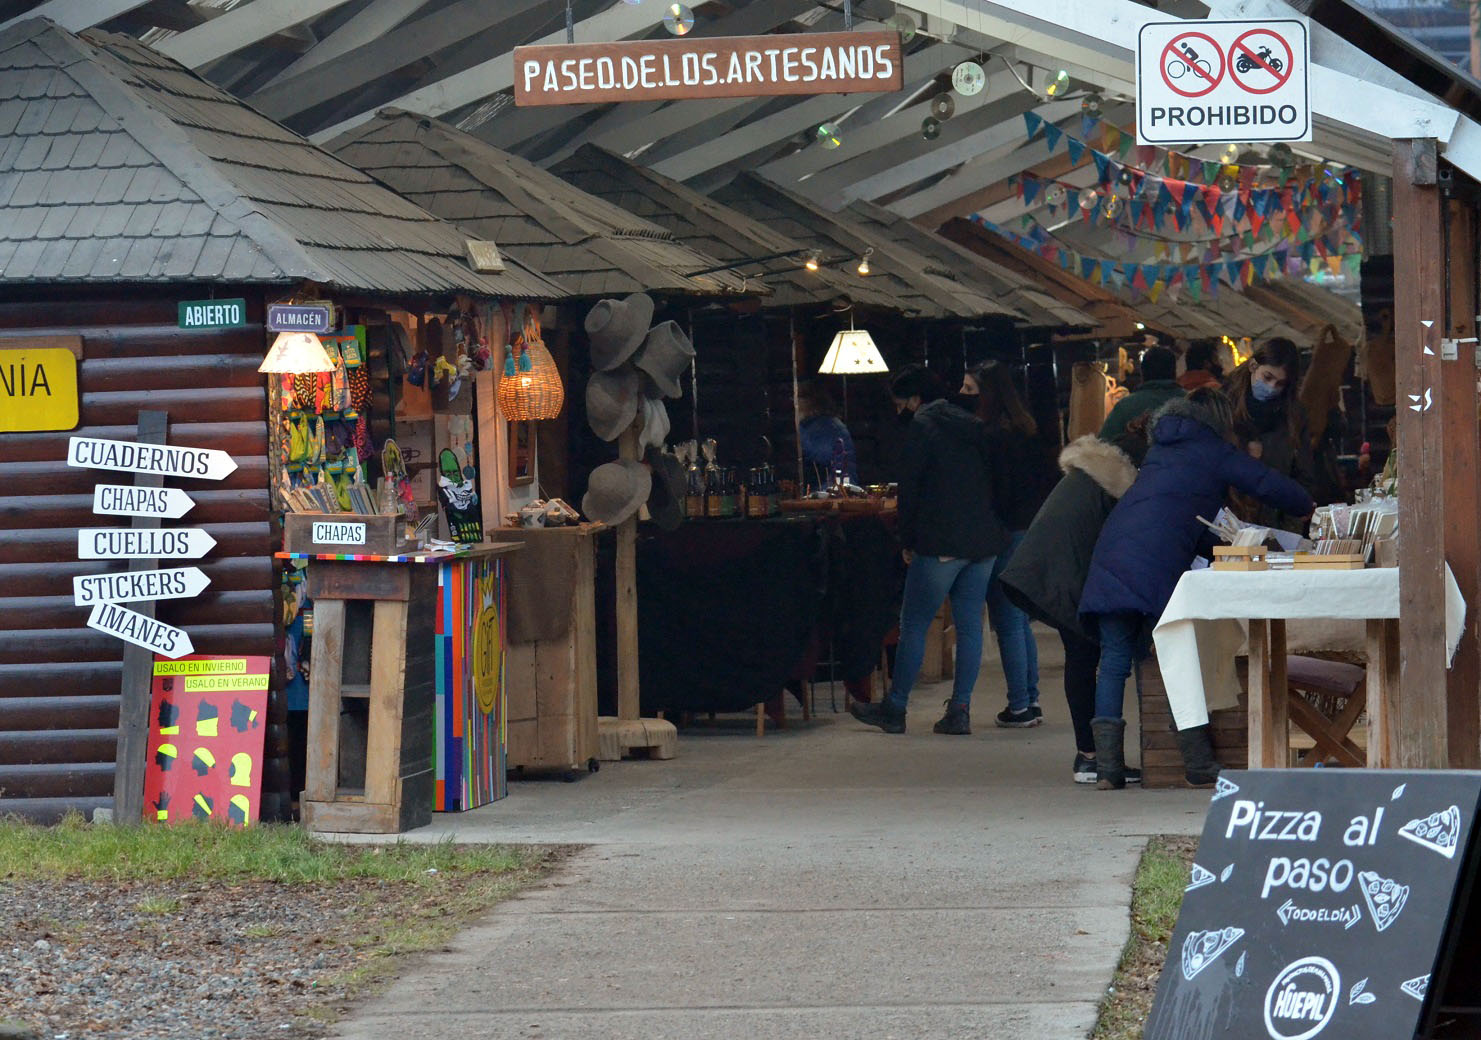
(736, 66)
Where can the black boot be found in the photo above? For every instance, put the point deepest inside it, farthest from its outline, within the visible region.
(1199, 765)
(957, 721)
(1110, 752)
(878, 715)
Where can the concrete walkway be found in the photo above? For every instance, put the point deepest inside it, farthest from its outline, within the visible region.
(827, 881)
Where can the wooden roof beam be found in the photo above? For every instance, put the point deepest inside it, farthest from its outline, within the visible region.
(241, 27)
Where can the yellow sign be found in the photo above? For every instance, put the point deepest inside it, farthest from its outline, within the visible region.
(222, 666)
(210, 683)
(488, 658)
(38, 389)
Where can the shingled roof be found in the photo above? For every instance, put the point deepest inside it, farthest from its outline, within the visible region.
(594, 247)
(724, 233)
(898, 270)
(119, 165)
(955, 264)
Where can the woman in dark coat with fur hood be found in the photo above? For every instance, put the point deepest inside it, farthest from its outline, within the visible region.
(1149, 540)
(1047, 573)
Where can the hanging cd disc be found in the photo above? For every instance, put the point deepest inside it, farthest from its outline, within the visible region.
(678, 19)
(943, 106)
(968, 79)
(930, 128)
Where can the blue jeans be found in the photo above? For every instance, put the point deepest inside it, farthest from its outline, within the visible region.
(928, 581)
(1119, 637)
(1016, 645)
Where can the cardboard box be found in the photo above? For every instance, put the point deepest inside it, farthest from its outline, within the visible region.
(348, 533)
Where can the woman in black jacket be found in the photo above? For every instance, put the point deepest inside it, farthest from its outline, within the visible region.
(1048, 569)
(950, 531)
(1029, 474)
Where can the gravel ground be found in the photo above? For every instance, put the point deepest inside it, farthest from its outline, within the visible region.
(167, 960)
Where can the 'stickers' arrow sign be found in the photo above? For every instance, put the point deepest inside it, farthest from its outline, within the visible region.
(133, 627)
(89, 590)
(127, 500)
(122, 543)
(170, 460)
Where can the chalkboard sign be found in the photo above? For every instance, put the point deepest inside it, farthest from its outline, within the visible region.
(1321, 904)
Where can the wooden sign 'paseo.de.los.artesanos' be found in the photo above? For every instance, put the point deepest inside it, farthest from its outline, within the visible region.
(733, 66)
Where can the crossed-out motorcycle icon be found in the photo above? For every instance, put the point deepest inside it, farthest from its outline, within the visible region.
(1245, 63)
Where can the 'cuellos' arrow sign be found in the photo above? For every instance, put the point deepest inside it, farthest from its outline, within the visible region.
(123, 543)
(127, 500)
(89, 590)
(170, 460)
(133, 627)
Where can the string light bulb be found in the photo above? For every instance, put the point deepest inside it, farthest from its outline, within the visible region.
(864, 261)
(812, 260)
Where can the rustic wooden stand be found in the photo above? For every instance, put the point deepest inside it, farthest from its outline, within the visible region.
(375, 622)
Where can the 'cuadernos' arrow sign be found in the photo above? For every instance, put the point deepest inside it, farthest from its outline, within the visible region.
(122, 543)
(164, 459)
(133, 627)
(133, 586)
(127, 500)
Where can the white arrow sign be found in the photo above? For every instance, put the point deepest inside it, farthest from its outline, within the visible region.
(127, 500)
(170, 460)
(133, 627)
(123, 543)
(132, 586)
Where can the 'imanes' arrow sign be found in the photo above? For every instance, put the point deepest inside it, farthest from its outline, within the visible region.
(123, 543)
(134, 586)
(133, 627)
(127, 500)
(169, 460)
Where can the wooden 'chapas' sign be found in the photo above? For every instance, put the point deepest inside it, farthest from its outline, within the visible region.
(733, 66)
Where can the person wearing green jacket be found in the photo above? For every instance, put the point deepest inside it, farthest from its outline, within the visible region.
(1159, 385)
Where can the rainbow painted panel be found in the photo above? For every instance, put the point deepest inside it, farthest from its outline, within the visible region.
(432, 557)
(470, 718)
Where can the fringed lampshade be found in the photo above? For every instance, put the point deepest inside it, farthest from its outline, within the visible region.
(530, 387)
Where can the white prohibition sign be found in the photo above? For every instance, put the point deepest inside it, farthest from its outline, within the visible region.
(131, 500)
(127, 543)
(133, 627)
(137, 586)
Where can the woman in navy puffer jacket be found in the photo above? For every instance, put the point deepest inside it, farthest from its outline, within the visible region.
(1149, 540)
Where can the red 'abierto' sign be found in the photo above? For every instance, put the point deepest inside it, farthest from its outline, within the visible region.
(734, 66)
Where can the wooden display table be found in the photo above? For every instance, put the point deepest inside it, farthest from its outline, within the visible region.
(420, 640)
(552, 661)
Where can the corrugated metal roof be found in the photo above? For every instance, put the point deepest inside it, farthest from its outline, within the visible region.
(594, 247)
(962, 265)
(121, 165)
(896, 269)
(724, 233)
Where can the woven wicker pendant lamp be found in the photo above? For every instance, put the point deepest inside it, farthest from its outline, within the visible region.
(530, 386)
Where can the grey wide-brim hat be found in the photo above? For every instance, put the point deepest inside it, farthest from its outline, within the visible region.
(666, 354)
(616, 329)
(666, 500)
(612, 402)
(616, 490)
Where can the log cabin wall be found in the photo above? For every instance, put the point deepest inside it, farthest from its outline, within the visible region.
(59, 680)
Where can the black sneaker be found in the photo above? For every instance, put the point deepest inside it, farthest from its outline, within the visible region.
(1024, 719)
(878, 715)
(1084, 769)
(1034, 708)
(957, 721)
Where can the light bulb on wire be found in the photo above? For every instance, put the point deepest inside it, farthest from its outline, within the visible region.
(812, 260)
(864, 261)
(678, 19)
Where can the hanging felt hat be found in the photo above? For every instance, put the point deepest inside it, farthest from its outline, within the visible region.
(616, 329)
(655, 423)
(616, 490)
(666, 500)
(612, 400)
(666, 354)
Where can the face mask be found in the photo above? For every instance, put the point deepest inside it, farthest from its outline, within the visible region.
(1263, 391)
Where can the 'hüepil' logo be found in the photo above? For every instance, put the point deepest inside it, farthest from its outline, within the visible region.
(1302, 999)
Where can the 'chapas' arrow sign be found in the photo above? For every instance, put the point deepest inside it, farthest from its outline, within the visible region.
(169, 460)
(133, 627)
(128, 500)
(126, 543)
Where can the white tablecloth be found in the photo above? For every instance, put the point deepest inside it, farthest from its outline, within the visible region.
(1203, 628)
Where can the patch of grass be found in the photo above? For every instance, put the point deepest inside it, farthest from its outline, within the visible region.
(1156, 896)
(267, 852)
(262, 931)
(158, 905)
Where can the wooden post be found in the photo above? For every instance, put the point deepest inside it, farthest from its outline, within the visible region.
(138, 664)
(1462, 479)
(628, 707)
(1419, 732)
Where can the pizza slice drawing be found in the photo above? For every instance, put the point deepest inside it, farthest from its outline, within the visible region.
(1200, 877)
(1224, 788)
(1384, 896)
(1200, 949)
(1439, 831)
(1416, 987)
